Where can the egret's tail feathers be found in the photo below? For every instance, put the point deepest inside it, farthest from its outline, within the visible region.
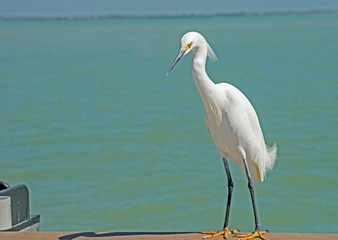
(272, 152)
(265, 162)
(270, 160)
(211, 53)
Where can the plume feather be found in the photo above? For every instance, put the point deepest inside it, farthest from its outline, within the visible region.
(211, 54)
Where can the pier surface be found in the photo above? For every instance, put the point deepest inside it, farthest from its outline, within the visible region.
(147, 236)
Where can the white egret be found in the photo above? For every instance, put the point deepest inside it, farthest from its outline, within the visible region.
(233, 125)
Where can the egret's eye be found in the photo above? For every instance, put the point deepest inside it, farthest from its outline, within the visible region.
(187, 46)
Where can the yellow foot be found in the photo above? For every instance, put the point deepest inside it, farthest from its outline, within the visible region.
(225, 232)
(255, 234)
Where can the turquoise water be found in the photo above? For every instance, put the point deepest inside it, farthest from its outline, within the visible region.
(106, 143)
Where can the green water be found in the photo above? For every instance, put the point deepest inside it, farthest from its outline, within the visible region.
(106, 143)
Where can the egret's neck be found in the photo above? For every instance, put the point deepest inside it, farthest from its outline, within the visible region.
(202, 81)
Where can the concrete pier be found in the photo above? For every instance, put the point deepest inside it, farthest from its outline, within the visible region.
(147, 236)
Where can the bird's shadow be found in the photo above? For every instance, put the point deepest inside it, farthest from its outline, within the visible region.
(114, 234)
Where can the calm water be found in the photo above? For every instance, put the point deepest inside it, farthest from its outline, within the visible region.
(106, 143)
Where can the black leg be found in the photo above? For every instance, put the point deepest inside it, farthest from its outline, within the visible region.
(225, 232)
(230, 188)
(252, 193)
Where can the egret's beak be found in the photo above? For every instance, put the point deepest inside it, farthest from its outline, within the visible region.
(178, 57)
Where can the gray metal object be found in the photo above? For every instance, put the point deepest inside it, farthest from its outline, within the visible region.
(21, 220)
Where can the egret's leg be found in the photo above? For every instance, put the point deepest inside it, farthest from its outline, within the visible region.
(225, 232)
(252, 193)
(257, 232)
(230, 188)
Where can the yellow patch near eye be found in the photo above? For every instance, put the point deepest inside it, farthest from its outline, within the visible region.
(187, 46)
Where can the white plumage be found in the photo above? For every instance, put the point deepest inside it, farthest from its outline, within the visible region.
(231, 120)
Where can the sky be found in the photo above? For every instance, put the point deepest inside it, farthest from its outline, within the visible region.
(49, 8)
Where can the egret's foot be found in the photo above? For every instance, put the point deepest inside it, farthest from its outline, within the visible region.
(255, 234)
(225, 232)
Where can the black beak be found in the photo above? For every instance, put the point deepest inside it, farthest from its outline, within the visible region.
(178, 57)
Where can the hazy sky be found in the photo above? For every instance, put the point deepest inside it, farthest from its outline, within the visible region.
(153, 7)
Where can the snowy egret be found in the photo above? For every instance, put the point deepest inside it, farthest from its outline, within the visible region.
(233, 125)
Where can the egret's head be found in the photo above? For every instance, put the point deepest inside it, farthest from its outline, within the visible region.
(191, 41)
(188, 41)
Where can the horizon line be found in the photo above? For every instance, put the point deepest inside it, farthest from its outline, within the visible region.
(178, 15)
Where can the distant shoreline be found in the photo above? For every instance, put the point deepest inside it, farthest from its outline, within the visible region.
(182, 15)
